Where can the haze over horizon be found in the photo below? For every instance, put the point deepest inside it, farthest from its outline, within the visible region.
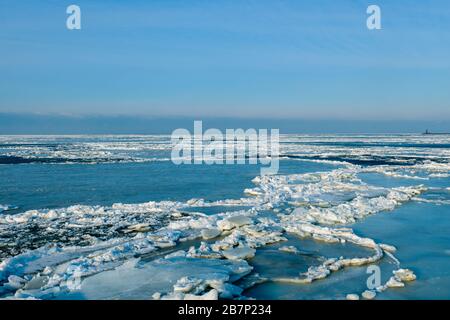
(11, 123)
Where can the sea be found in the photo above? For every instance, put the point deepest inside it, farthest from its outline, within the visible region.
(112, 217)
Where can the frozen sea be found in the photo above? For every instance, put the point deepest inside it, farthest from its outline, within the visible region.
(111, 217)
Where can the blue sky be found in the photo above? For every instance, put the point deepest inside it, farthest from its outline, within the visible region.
(241, 58)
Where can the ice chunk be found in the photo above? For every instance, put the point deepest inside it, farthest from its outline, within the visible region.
(228, 290)
(141, 280)
(239, 253)
(291, 249)
(210, 233)
(36, 283)
(15, 282)
(388, 248)
(404, 275)
(369, 294)
(140, 227)
(252, 192)
(352, 296)
(203, 251)
(210, 295)
(233, 222)
(394, 283)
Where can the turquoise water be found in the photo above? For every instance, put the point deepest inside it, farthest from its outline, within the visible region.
(35, 186)
(59, 172)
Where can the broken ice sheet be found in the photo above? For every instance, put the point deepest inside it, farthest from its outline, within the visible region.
(302, 199)
(135, 280)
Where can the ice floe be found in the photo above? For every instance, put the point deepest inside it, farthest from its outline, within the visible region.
(369, 294)
(290, 249)
(239, 253)
(210, 233)
(398, 279)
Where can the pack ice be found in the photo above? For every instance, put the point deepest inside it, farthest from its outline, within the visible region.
(163, 250)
